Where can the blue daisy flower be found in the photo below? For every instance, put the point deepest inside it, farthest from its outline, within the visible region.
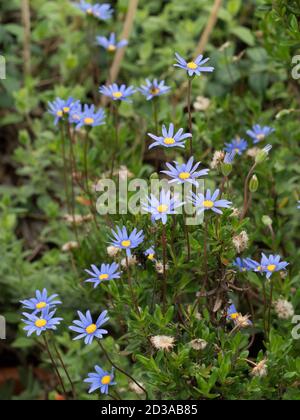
(87, 329)
(153, 89)
(100, 380)
(237, 145)
(195, 67)
(75, 113)
(186, 172)
(40, 323)
(90, 117)
(105, 273)
(100, 11)
(234, 315)
(169, 139)
(209, 202)
(241, 264)
(117, 93)
(111, 44)
(150, 253)
(272, 264)
(229, 157)
(40, 302)
(161, 208)
(123, 240)
(60, 108)
(259, 133)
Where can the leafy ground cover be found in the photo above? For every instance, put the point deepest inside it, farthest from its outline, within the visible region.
(172, 331)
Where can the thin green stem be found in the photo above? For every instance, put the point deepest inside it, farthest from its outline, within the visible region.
(120, 369)
(73, 171)
(205, 259)
(189, 104)
(64, 368)
(54, 365)
(270, 308)
(117, 140)
(155, 119)
(246, 192)
(65, 165)
(265, 309)
(187, 236)
(165, 282)
(133, 296)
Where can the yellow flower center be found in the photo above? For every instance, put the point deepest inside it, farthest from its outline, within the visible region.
(163, 208)
(89, 11)
(192, 65)
(40, 323)
(66, 109)
(271, 267)
(184, 175)
(237, 150)
(91, 328)
(155, 91)
(103, 277)
(111, 48)
(41, 305)
(169, 140)
(234, 316)
(151, 257)
(126, 244)
(117, 95)
(106, 380)
(208, 204)
(59, 113)
(89, 121)
(259, 268)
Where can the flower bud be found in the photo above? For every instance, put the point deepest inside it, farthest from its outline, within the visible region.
(226, 169)
(254, 184)
(267, 221)
(263, 154)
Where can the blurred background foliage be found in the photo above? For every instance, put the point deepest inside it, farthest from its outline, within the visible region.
(252, 47)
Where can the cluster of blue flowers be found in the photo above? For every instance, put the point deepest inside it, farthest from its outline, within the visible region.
(74, 112)
(268, 265)
(42, 317)
(257, 133)
(99, 11)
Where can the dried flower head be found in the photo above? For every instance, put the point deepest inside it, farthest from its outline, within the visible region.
(253, 152)
(135, 388)
(218, 159)
(284, 309)
(163, 342)
(235, 212)
(78, 219)
(198, 344)
(132, 261)
(201, 103)
(241, 241)
(69, 246)
(260, 370)
(112, 251)
(160, 267)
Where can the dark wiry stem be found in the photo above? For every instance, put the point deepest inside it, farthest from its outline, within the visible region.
(120, 369)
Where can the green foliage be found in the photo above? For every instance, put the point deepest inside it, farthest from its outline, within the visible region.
(251, 47)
